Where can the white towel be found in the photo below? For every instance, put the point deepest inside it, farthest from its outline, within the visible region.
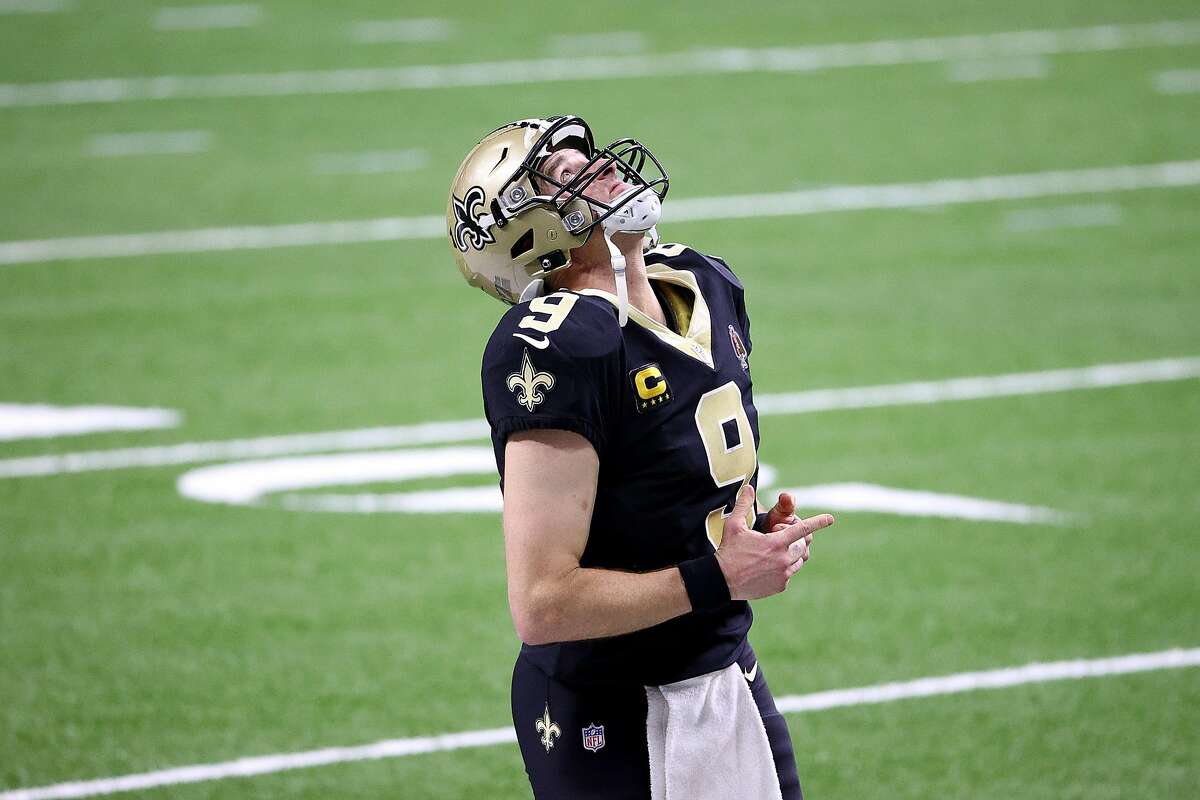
(707, 741)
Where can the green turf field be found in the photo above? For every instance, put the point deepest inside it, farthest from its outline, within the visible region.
(142, 630)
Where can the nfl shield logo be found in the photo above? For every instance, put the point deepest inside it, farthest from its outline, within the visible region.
(593, 737)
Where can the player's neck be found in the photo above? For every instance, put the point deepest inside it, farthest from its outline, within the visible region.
(591, 268)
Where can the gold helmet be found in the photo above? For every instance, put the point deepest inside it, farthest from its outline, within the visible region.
(510, 224)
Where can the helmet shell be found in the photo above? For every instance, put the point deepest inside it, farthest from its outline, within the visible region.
(502, 243)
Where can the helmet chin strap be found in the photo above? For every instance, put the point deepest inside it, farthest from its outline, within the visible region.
(618, 267)
(638, 215)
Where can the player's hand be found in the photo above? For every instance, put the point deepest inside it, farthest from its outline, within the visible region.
(759, 565)
(784, 513)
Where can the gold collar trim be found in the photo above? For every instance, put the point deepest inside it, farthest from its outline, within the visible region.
(697, 343)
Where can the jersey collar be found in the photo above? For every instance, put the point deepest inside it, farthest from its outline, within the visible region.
(697, 343)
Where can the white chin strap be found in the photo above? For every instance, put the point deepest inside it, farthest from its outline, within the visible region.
(639, 215)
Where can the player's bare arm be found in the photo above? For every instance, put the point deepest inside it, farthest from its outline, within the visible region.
(550, 487)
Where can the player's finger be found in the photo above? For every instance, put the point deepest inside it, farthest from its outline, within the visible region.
(798, 550)
(806, 527)
(744, 502)
(786, 504)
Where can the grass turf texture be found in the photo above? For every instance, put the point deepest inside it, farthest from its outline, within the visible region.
(140, 630)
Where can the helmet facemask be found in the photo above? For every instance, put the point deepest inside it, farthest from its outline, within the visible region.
(637, 210)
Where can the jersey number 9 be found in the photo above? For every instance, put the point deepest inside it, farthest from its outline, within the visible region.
(729, 444)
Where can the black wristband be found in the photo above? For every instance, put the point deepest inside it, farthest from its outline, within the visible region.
(760, 520)
(705, 583)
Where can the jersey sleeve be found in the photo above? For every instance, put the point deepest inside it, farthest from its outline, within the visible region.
(554, 363)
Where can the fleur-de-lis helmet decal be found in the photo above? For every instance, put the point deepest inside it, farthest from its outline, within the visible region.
(528, 383)
(468, 232)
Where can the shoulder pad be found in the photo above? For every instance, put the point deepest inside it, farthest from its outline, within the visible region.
(681, 256)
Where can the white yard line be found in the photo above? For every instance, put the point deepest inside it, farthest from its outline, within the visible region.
(369, 162)
(38, 421)
(1092, 215)
(1018, 383)
(232, 449)
(791, 704)
(815, 400)
(199, 18)
(989, 679)
(109, 145)
(547, 70)
(34, 6)
(1178, 81)
(207, 240)
(830, 199)
(384, 31)
(977, 70)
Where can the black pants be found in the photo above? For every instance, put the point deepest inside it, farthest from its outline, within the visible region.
(592, 744)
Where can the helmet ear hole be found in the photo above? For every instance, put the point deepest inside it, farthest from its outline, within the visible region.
(523, 245)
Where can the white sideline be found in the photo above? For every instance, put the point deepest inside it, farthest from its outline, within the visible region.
(818, 701)
(815, 400)
(581, 68)
(948, 191)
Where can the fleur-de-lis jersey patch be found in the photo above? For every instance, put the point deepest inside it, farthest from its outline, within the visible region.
(528, 383)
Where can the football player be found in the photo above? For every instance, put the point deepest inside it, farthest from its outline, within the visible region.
(618, 392)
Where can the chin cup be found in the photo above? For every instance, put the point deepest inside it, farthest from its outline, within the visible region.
(638, 211)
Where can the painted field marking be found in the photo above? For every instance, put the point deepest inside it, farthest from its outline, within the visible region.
(977, 70)
(34, 6)
(1038, 672)
(872, 498)
(1177, 81)
(284, 481)
(382, 31)
(199, 18)
(813, 400)
(830, 199)
(109, 145)
(234, 449)
(810, 58)
(370, 162)
(974, 388)
(1092, 215)
(39, 421)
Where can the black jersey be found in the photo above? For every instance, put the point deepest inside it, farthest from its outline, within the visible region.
(672, 420)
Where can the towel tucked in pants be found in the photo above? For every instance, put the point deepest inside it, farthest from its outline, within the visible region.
(616, 766)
